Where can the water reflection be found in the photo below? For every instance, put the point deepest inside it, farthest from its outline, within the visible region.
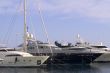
(73, 69)
(94, 68)
(21, 70)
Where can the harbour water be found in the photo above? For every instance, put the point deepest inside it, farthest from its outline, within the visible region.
(93, 68)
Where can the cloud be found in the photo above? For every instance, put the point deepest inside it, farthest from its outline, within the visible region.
(7, 6)
(98, 9)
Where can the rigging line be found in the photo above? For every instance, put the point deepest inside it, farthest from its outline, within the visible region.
(35, 38)
(11, 31)
(32, 27)
(43, 25)
(12, 24)
(8, 31)
(6, 38)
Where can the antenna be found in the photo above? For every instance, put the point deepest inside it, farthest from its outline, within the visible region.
(79, 39)
(78, 36)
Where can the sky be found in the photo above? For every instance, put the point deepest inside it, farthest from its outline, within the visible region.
(64, 19)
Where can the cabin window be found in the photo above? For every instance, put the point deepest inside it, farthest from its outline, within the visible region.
(24, 60)
(1, 60)
(13, 55)
(29, 60)
(99, 46)
(38, 62)
(3, 50)
(11, 49)
(40, 46)
(30, 47)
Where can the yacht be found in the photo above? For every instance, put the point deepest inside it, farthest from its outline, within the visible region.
(11, 58)
(103, 50)
(79, 53)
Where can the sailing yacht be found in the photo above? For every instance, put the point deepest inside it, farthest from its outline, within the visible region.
(11, 58)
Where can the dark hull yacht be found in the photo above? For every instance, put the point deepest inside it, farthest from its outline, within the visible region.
(63, 58)
(65, 54)
(80, 53)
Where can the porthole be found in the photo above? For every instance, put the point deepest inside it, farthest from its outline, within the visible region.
(38, 62)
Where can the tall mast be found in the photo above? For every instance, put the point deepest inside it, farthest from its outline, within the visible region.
(25, 30)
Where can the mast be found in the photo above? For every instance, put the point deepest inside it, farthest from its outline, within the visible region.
(25, 29)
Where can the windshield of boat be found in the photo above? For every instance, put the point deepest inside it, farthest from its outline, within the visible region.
(99, 46)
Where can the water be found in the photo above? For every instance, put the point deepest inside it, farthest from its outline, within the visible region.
(94, 68)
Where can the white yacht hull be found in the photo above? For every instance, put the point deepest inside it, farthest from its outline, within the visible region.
(34, 61)
(103, 58)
